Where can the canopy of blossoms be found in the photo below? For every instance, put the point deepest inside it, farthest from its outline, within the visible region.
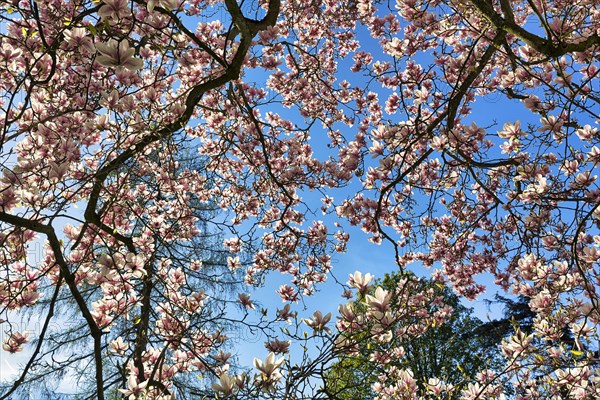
(127, 125)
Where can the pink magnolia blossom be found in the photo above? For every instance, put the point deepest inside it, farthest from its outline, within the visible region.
(118, 54)
(114, 9)
(245, 301)
(14, 343)
(380, 301)
(318, 321)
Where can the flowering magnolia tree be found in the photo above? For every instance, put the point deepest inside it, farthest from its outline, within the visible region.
(371, 105)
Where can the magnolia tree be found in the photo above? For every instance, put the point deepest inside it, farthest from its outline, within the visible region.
(372, 107)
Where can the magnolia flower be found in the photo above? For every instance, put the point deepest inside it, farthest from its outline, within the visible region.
(9, 54)
(586, 309)
(347, 312)
(134, 388)
(269, 367)
(384, 319)
(345, 345)
(29, 297)
(222, 358)
(118, 54)
(587, 132)
(287, 293)
(245, 301)
(57, 170)
(166, 4)
(319, 321)
(360, 281)
(473, 391)
(228, 384)
(136, 263)
(551, 123)
(278, 346)
(511, 131)
(285, 313)
(269, 375)
(118, 346)
(541, 301)
(516, 344)
(381, 300)
(233, 263)
(584, 179)
(15, 342)
(384, 337)
(114, 9)
(407, 380)
(78, 38)
(195, 265)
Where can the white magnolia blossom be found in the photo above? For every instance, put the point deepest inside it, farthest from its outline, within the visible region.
(347, 312)
(360, 281)
(269, 372)
(134, 389)
(166, 4)
(118, 346)
(228, 384)
(269, 366)
(516, 344)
